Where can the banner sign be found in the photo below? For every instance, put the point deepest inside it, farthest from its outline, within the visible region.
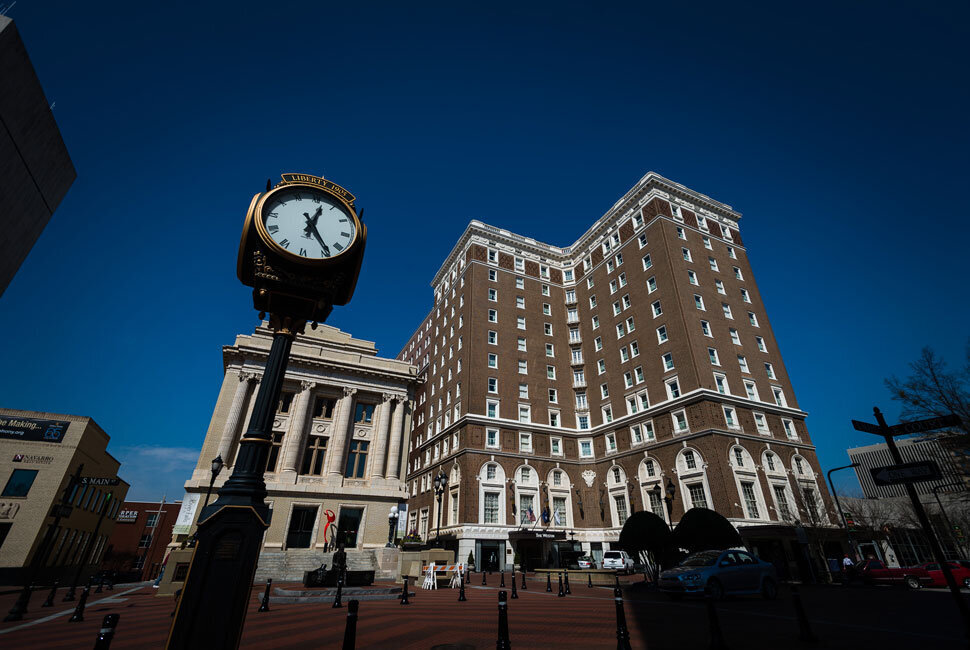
(32, 430)
(183, 523)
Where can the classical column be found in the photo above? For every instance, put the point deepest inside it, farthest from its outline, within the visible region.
(235, 415)
(337, 445)
(297, 429)
(380, 437)
(397, 433)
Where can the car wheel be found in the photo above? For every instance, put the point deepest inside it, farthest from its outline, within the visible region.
(913, 582)
(769, 589)
(714, 589)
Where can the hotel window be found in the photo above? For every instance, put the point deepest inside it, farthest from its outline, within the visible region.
(680, 233)
(686, 253)
(713, 263)
(770, 461)
(721, 382)
(555, 447)
(707, 243)
(616, 308)
(523, 369)
(519, 283)
(570, 295)
(652, 284)
(628, 379)
(642, 239)
(519, 264)
(592, 302)
(680, 421)
(648, 433)
(356, 459)
(726, 308)
(286, 400)
(574, 336)
(583, 422)
(547, 309)
(543, 271)
(551, 372)
(490, 515)
(610, 266)
(586, 448)
(647, 262)
(491, 440)
(619, 259)
(581, 401)
(323, 407)
(690, 461)
(624, 355)
(525, 413)
(789, 429)
(636, 436)
(572, 315)
(492, 360)
(554, 418)
(491, 408)
(698, 302)
(596, 322)
(630, 325)
(626, 301)
(520, 322)
(673, 388)
(784, 511)
(750, 501)
(761, 343)
(779, 396)
(752, 319)
(520, 302)
(638, 374)
(493, 275)
(492, 337)
(730, 417)
(492, 295)
(492, 256)
(720, 287)
(631, 404)
(604, 390)
(364, 413)
(706, 328)
(492, 316)
(712, 356)
(743, 363)
(492, 384)
(525, 446)
(770, 371)
(751, 390)
(691, 277)
(697, 497)
(738, 457)
(589, 282)
(668, 361)
(545, 289)
(613, 286)
(523, 391)
(576, 355)
(634, 349)
(744, 295)
(21, 480)
(567, 275)
(601, 366)
(620, 331)
(598, 343)
(610, 443)
(737, 273)
(730, 252)
(675, 210)
(760, 423)
(734, 336)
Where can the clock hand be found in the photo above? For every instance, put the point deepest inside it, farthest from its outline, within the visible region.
(311, 228)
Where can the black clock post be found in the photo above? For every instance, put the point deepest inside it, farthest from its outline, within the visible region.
(212, 609)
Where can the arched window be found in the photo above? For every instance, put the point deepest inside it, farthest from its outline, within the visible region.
(619, 498)
(695, 491)
(813, 508)
(778, 486)
(491, 494)
(527, 495)
(752, 500)
(559, 491)
(652, 489)
(453, 484)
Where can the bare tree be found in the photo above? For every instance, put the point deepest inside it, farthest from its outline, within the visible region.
(933, 390)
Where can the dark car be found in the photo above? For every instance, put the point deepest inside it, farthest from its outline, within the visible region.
(876, 572)
(718, 573)
(960, 573)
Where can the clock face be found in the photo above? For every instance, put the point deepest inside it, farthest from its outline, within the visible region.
(309, 223)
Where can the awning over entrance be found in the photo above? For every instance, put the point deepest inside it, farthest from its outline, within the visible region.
(525, 535)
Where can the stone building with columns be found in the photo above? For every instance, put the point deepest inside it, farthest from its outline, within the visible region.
(335, 466)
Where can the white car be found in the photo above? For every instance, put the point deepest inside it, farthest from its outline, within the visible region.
(618, 560)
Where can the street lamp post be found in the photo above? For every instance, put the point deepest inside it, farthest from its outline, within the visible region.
(669, 501)
(835, 495)
(391, 525)
(946, 517)
(217, 466)
(440, 485)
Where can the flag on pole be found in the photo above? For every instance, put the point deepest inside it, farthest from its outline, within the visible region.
(557, 517)
(545, 515)
(532, 516)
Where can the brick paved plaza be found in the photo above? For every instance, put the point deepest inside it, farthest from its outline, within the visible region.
(843, 618)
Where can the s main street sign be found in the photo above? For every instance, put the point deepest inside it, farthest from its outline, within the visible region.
(96, 480)
(924, 470)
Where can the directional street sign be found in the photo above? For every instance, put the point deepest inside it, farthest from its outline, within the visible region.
(926, 425)
(96, 480)
(924, 470)
(865, 426)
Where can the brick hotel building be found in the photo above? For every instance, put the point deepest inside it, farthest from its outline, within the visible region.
(582, 381)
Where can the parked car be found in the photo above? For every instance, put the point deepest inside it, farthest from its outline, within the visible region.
(718, 573)
(876, 572)
(618, 560)
(586, 562)
(961, 573)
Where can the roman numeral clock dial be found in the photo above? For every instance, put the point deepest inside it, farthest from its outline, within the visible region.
(308, 223)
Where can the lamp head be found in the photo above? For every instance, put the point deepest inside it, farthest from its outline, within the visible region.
(217, 465)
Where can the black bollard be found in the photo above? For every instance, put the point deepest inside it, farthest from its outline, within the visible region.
(616, 580)
(178, 597)
(107, 632)
(78, 615)
(804, 629)
(404, 596)
(70, 595)
(514, 592)
(503, 624)
(549, 582)
(589, 580)
(561, 594)
(100, 585)
(502, 573)
(567, 583)
(19, 608)
(622, 633)
(111, 581)
(264, 606)
(461, 590)
(717, 637)
(483, 578)
(524, 587)
(50, 597)
(350, 632)
(340, 587)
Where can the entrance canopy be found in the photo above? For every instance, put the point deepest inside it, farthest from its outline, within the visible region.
(542, 535)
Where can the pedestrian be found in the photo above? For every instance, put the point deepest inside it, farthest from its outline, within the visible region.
(847, 568)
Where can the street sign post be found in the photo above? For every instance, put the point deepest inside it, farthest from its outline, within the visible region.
(906, 474)
(924, 470)
(99, 480)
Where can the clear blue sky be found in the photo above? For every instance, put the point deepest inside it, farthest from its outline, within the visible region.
(839, 130)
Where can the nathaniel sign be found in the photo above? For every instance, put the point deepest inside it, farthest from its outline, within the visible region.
(32, 430)
(924, 470)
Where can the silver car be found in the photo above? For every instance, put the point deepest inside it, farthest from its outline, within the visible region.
(718, 573)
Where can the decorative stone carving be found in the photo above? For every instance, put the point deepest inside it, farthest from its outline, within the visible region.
(589, 476)
(322, 428)
(349, 391)
(361, 433)
(277, 423)
(308, 385)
